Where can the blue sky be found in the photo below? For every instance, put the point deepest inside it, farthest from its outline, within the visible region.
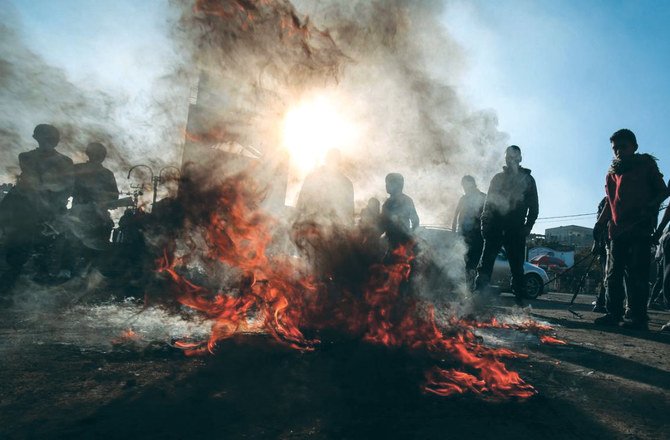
(562, 75)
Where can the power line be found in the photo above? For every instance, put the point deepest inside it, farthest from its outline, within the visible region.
(581, 215)
(567, 216)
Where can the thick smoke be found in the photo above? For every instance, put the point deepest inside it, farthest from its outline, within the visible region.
(392, 63)
(134, 130)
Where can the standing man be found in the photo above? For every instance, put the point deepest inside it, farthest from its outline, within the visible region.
(635, 190)
(325, 217)
(467, 222)
(399, 218)
(509, 214)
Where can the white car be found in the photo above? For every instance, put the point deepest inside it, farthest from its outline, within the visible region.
(535, 277)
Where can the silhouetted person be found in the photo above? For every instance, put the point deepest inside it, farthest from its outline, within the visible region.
(635, 190)
(399, 217)
(95, 192)
(325, 216)
(660, 297)
(327, 195)
(40, 196)
(601, 249)
(467, 222)
(509, 214)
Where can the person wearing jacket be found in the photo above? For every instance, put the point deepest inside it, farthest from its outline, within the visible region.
(635, 189)
(510, 211)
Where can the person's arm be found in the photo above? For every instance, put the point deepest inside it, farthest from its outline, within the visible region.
(413, 216)
(606, 213)
(110, 189)
(664, 222)
(489, 202)
(533, 206)
(454, 223)
(659, 188)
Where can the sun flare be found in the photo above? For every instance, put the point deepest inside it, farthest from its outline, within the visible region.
(315, 126)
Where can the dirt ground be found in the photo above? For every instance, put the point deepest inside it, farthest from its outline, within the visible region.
(604, 384)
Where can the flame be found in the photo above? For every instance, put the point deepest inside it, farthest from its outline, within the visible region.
(546, 339)
(126, 337)
(276, 296)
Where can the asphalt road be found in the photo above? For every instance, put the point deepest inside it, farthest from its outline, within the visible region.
(64, 376)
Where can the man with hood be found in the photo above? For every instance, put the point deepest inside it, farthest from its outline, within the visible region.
(635, 189)
(510, 211)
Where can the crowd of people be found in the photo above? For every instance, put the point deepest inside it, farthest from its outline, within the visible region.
(36, 208)
(34, 211)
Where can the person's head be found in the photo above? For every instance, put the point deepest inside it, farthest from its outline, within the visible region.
(374, 205)
(624, 143)
(468, 184)
(513, 156)
(394, 183)
(47, 136)
(96, 152)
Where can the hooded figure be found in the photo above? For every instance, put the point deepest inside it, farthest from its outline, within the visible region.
(509, 214)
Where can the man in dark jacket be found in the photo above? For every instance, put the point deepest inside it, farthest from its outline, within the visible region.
(467, 222)
(635, 190)
(509, 214)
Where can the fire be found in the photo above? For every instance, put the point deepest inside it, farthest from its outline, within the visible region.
(546, 339)
(277, 296)
(126, 336)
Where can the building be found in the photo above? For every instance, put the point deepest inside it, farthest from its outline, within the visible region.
(579, 237)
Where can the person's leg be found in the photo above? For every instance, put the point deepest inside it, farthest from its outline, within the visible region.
(602, 291)
(639, 259)
(475, 244)
(658, 284)
(616, 266)
(666, 274)
(515, 246)
(492, 245)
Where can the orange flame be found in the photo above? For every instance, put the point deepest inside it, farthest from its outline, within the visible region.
(546, 339)
(282, 302)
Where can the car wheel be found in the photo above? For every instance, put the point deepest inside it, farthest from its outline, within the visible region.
(534, 285)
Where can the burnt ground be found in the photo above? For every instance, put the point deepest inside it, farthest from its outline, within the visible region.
(606, 383)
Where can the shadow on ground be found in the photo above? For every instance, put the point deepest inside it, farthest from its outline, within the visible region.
(345, 390)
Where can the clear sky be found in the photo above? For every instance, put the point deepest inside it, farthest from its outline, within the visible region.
(562, 75)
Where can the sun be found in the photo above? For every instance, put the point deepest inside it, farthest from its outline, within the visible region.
(314, 126)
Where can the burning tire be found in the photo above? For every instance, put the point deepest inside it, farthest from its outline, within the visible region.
(534, 285)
